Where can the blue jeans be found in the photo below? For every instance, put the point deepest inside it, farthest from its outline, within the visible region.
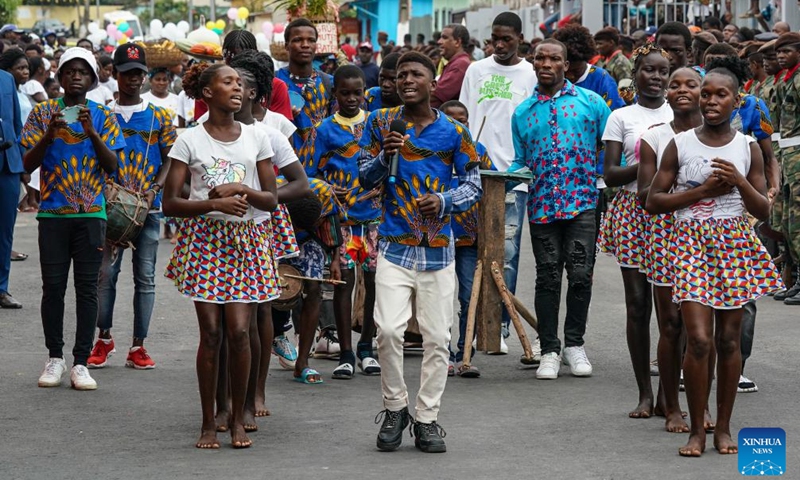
(144, 279)
(466, 260)
(9, 197)
(516, 204)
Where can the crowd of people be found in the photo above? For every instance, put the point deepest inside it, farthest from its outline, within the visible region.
(679, 158)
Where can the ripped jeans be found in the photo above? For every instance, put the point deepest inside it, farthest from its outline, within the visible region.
(569, 243)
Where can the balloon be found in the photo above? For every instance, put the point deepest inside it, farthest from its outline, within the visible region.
(183, 27)
(111, 29)
(278, 28)
(210, 25)
(179, 35)
(118, 35)
(262, 42)
(243, 13)
(123, 27)
(93, 27)
(233, 14)
(267, 28)
(220, 24)
(156, 27)
(218, 31)
(118, 22)
(123, 40)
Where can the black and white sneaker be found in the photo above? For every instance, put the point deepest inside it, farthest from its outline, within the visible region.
(746, 385)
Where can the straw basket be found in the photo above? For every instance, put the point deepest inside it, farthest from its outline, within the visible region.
(278, 52)
(162, 55)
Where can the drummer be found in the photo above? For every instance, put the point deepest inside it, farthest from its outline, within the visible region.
(74, 141)
(142, 168)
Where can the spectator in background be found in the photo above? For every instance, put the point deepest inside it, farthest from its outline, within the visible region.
(611, 57)
(106, 74)
(407, 41)
(33, 50)
(676, 39)
(367, 64)
(52, 88)
(780, 28)
(626, 45)
(348, 49)
(729, 32)
(700, 44)
(420, 40)
(452, 43)
(39, 72)
(712, 23)
(639, 38)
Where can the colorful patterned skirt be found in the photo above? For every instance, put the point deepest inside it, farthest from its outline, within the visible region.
(217, 261)
(720, 263)
(622, 233)
(284, 242)
(657, 257)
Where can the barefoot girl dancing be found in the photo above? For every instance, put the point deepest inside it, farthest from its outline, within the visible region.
(708, 176)
(223, 259)
(622, 234)
(683, 95)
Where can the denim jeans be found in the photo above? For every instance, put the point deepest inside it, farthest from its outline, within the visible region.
(9, 197)
(569, 243)
(516, 204)
(144, 279)
(64, 242)
(748, 330)
(466, 260)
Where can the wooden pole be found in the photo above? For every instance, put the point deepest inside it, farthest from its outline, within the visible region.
(497, 275)
(473, 309)
(491, 248)
(524, 312)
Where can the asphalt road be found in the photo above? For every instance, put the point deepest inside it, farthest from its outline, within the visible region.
(507, 424)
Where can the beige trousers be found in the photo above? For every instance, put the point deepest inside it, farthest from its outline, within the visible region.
(434, 293)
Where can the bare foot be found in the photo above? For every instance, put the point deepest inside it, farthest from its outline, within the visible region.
(208, 439)
(694, 447)
(222, 419)
(239, 438)
(725, 444)
(643, 410)
(261, 406)
(676, 424)
(708, 423)
(660, 413)
(249, 421)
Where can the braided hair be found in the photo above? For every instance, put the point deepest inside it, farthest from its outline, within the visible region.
(260, 66)
(237, 42)
(198, 77)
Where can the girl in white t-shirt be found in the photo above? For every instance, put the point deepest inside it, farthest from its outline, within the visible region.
(683, 96)
(709, 176)
(223, 258)
(625, 221)
(159, 94)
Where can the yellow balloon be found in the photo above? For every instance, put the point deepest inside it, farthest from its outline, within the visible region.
(118, 22)
(220, 24)
(123, 40)
(243, 13)
(210, 25)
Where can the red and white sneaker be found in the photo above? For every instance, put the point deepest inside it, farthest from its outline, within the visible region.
(102, 350)
(139, 359)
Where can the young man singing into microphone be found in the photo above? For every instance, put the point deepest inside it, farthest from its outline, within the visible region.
(416, 247)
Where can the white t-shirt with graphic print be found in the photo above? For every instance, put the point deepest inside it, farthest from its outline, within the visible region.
(212, 162)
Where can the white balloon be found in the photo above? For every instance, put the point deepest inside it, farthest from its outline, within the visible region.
(262, 42)
(168, 34)
(170, 26)
(183, 26)
(156, 24)
(93, 27)
(179, 35)
(101, 34)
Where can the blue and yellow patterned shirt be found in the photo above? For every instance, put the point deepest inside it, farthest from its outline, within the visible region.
(335, 157)
(372, 99)
(71, 176)
(557, 138)
(139, 165)
(317, 91)
(427, 161)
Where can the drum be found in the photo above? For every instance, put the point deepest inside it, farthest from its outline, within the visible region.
(291, 288)
(126, 211)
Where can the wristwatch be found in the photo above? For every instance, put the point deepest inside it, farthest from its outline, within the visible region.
(155, 187)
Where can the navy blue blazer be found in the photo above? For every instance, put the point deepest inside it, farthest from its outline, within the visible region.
(11, 131)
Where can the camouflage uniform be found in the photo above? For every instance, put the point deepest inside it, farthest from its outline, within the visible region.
(618, 66)
(767, 91)
(789, 104)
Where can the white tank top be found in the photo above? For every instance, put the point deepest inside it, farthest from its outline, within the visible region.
(694, 167)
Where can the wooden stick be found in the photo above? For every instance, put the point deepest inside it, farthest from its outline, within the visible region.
(473, 308)
(480, 130)
(323, 280)
(525, 313)
(497, 275)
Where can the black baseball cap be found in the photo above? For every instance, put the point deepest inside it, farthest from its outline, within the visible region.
(128, 57)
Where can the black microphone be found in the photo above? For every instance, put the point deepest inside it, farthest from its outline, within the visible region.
(398, 126)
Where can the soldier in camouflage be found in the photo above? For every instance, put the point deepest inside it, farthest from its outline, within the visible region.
(611, 57)
(787, 48)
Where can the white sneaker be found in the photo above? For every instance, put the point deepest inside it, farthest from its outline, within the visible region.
(548, 368)
(579, 365)
(327, 345)
(503, 348)
(54, 369)
(80, 378)
(536, 348)
(746, 385)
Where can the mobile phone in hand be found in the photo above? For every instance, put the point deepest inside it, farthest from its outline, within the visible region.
(70, 114)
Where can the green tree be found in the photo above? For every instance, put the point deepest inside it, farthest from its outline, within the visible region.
(166, 11)
(8, 11)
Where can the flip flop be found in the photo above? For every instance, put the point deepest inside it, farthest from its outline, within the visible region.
(18, 257)
(344, 371)
(304, 377)
(369, 366)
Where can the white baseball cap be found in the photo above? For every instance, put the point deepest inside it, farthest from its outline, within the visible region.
(83, 54)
